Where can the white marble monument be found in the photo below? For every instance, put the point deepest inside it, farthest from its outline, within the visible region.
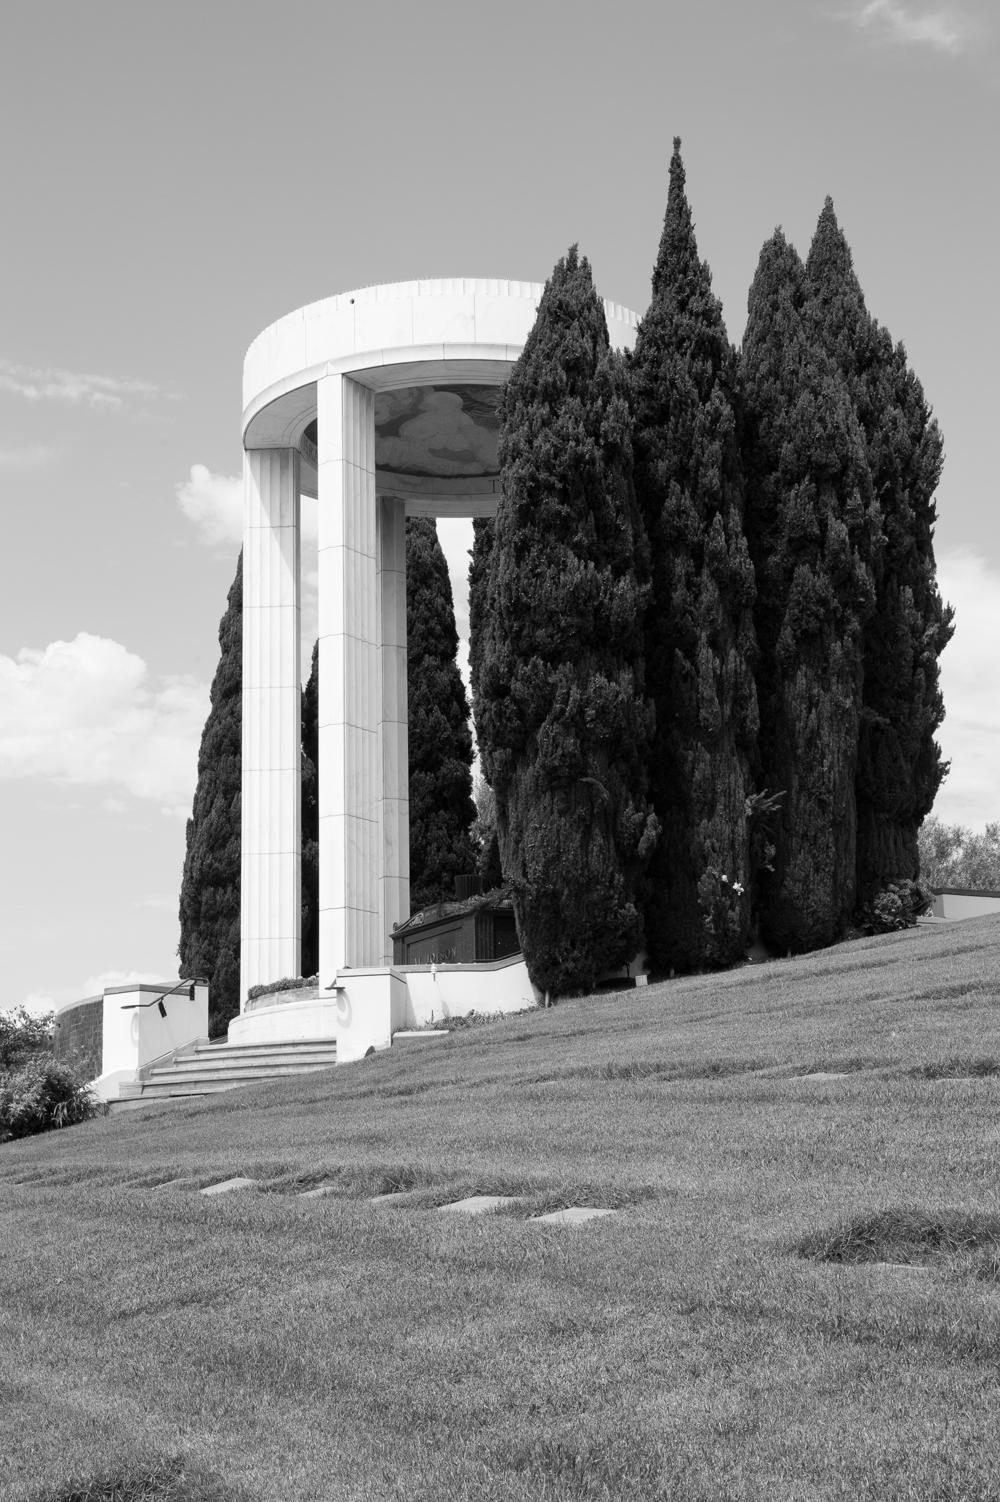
(382, 404)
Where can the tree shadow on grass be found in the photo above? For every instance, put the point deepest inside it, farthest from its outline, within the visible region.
(171, 1479)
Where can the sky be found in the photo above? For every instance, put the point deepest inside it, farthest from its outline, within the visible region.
(176, 177)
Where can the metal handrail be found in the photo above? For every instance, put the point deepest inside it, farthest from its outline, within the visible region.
(137, 1006)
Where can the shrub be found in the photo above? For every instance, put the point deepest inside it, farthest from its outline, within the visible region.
(898, 906)
(22, 1034)
(289, 983)
(42, 1095)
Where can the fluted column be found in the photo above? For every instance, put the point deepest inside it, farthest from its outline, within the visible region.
(395, 810)
(271, 865)
(350, 681)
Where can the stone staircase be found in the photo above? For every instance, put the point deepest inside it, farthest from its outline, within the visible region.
(205, 1068)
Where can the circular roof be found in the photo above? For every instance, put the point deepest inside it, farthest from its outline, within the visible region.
(436, 354)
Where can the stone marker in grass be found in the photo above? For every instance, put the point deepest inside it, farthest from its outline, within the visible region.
(575, 1215)
(226, 1186)
(479, 1204)
(395, 1197)
(320, 1192)
(825, 1074)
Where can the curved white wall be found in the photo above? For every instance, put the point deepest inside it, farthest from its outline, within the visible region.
(439, 324)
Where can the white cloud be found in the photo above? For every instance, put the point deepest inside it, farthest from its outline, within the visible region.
(158, 903)
(55, 384)
(215, 504)
(95, 984)
(84, 713)
(943, 30)
(30, 456)
(970, 681)
(39, 1003)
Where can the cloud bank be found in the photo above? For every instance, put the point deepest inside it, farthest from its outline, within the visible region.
(84, 713)
(892, 21)
(27, 456)
(54, 384)
(970, 681)
(214, 503)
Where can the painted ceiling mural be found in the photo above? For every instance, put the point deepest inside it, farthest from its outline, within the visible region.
(440, 431)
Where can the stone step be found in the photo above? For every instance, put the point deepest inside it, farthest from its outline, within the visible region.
(263, 1050)
(208, 1068)
(226, 1058)
(241, 1072)
(173, 1089)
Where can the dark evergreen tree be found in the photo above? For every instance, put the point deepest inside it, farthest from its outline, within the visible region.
(899, 762)
(561, 713)
(699, 633)
(440, 740)
(483, 534)
(210, 887)
(813, 529)
(310, 819)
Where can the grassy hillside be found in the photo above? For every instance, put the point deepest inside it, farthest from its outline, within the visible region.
(734, 1332)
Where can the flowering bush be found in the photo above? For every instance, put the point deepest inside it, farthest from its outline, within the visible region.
(41, 1095)
(898, 906)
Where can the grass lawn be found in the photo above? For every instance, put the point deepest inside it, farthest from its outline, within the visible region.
(800, 1297)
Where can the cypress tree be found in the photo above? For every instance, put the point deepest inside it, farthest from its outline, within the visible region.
(699, 635)
(561, 713)
(483, 534)
(899, 762)
(210, 887)
(310, 818)
(813, 529)
(440, 740)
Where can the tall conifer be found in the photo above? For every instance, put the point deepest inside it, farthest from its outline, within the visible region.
(483, 533)
(899, 762)
(561, 712)
(210, 886)
(440, 740)
(699, 627)
(813, 529)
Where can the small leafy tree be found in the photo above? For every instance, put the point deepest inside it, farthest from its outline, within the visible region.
(22, 1035)
(953, 856)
